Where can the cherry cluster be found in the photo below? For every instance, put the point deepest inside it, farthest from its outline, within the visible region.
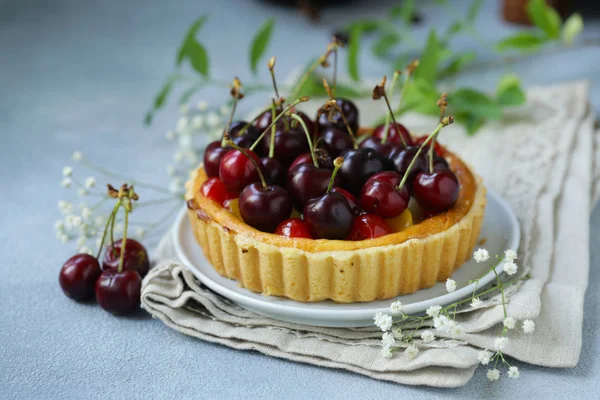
(340, 185)
(117, 285)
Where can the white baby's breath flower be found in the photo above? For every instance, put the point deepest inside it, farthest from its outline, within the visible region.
(66, 182)
(118, 227)
(484, 357)
(457, 330)
(509, 322)
(99, 220)
(89, 182)
(387, 340)
(383, 321)
(510, 268)
(386, 352)
(82, 192)
(197, 122)
(67, 171)
(81, 240)
(513, 372)
(433, 311)
(427, 336)
(224, 110)
(63, 237)
(77, 156)
(202, 105)
(59, 225)
(493, 374)
(481, 255)
(411, 351)
(528, 326)
(175, 185)
(443, 324)
(396, 307)
(171, 170)
(476, 303)
(510, 255)
(170, 134)
(184, 109)
(182, 124)
(98, 242)
(85, 250)
(178, 157)
(500, 343)
(65, 207)
(141, 232)
(213, 119)
(450, 285)
(76, 221)
(86, 212)
(397, 332)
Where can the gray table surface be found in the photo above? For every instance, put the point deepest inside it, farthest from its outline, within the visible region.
(80, 75)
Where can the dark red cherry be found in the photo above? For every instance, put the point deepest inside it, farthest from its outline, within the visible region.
(375, 144)
(391, 177)
(216, 190)
(289, 144)
(401, 158)
(275, 173)
(289, 121)
(212, 158)
(301, 159)
(384, 199)
(437, 191)
(352, 202)
(135, 257)
(263, 121)
(242, 128)
(358, 166)
(119, 292)
(368, 226)
(293, 228)
(440, 163)
(305, 181)
(395, 132)
(328, 216)
(78, 276)
(350, 112)
(264, 208)
(335, 141)
(243, 141)
(438, 148)
(237, 171)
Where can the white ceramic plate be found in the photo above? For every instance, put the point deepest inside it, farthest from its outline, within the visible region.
(500, 229)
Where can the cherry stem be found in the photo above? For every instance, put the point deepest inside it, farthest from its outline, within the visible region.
(272, 144)
(112, 230)
(108, 222)
(430, 154)
(296, 117)
(337, 164)
(396, 126)
(334, 79)
(272, 71)
(403, 92)
(386, 130)
(124, 242)
(350, 132)
(235, 101)
(295, 103)
(252, 160)
(447, 121)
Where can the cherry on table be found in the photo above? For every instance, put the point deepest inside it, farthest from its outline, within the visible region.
(384, 198)
(350, 112)
(216, 190)
(328, 216)
(212, 158)
(293, 228)
(368, 226)
(264, 207)
(135, 257)
(396, 133)
(359, 165)
(436, 191)
(119, 292)
(78, 276)
(335, 141)
(275, 172)
(305, 181)
(237, 171)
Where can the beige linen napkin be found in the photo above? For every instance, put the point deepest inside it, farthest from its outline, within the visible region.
(532, 158)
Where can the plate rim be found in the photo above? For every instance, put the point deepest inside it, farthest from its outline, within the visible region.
(338, 315)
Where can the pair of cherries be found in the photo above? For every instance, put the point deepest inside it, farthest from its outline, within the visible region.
(118, 292)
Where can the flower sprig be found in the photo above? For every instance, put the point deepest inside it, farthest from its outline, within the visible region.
(408, 332)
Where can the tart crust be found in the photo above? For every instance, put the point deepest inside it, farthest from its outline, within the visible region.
(309, 270)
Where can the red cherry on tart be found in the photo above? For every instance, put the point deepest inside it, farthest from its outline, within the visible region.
(135, 257)
(212, 158)
(359, 165)
(288, 144)
(328, 216)
(436, 191)
(402, 158)
(375, 144)
(216, 190)
(310, 125)
(119, 292)
(275, 172)
(264, 207)
(391, 177)
(237, 171)
(263, 121)
(352, 201)
(305, 181)
(293, 228)
(384, 199)
(243, 128)
(322, 158)
(396, 132)
(438, 148)
(335, 141)
(350, 113)
(78, 276)
(368, 226)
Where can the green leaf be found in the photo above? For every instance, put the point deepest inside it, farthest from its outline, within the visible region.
(420, 96)
(404, 11)
(457, 63)
(383, 46)
(572, 28)
(472, 123)
(474, 10)
(364, 25)
(523, 41)
(544, 17)
(456, 27)
(161, 97)
(313, 87)
(190, 37)
(474, 102)
(353, 52)
(510, 92)
(427, 69)
(260, 42)
(198, 58)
